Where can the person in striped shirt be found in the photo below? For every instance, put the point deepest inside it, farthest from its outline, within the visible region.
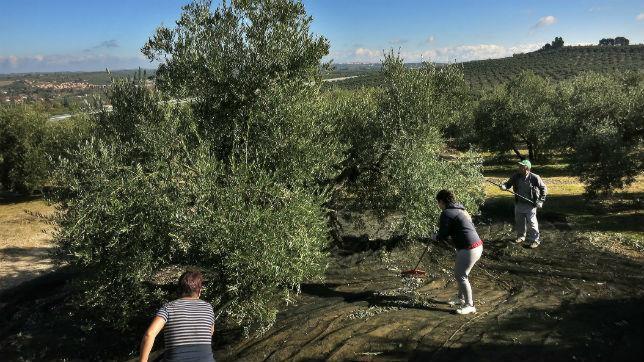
(188, 324)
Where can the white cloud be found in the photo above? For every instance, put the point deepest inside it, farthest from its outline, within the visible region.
(640, 17)
(545, 21)
(460, 53)
(463, 53)
(430, 39)
(367, 55)
(69, 62)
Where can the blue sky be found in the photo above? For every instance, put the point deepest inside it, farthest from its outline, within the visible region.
(46, 35)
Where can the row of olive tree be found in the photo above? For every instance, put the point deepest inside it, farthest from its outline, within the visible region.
(231, 163)
(597, 118)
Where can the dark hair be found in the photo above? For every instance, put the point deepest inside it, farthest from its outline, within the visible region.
(445, 196)
(190, 283)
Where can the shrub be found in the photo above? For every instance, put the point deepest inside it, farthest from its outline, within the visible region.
(603, 118)
(396, 146)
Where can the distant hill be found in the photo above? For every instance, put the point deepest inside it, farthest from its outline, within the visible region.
(556, 64)
(98, 78)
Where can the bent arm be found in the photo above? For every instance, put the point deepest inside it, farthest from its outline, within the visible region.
(443, 230)
(148, 338)
(543, 190)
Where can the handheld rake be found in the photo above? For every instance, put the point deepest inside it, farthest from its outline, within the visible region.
(416, 273)
(512, 192)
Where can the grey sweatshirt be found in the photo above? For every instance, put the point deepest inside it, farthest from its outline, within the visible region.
(457, 223)
(531, 187)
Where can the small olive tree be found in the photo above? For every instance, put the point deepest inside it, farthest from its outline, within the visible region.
(23, 162)
(29, 142)
(518, 112)
(602, 122)
(396, 149)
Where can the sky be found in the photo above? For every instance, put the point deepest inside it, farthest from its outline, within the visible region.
(75, 35)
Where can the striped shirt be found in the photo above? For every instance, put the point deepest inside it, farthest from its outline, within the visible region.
(188, 321)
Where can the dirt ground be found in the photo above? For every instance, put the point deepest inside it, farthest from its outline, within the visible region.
(566, 300)
(25, 240)
(577, 297)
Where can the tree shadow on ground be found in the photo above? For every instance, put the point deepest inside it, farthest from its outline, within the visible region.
(602, 330)
(371, 297)
(40, 320)
(593, 331)
(19, 264)
(574, 212)
(7, 198)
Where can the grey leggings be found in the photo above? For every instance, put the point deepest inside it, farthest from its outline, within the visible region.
(465, 260)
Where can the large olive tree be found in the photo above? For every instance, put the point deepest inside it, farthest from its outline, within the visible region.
(222, 166)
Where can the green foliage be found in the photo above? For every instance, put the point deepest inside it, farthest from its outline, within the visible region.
(224, 61)
(619, 41)
(63, 136)
(223, 167)
(564, 63)
(130, 209)
(250, 71)
(395, 145)
(518, 112)
(28, 143)
(23, 164)
(602, 121)
(287, 133)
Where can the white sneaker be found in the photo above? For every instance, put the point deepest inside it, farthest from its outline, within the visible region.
(466, 310)
(519, 240)
(534, 244)
(456, 302)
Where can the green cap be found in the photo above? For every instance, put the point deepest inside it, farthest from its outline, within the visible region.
(525, 163)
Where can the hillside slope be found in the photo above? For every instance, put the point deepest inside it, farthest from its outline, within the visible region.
(556, 64)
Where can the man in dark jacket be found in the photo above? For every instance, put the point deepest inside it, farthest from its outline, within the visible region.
(531, 187)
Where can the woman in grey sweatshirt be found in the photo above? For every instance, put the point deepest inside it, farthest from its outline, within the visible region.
(456, 224)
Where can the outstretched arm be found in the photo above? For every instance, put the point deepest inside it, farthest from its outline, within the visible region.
(148, 338)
